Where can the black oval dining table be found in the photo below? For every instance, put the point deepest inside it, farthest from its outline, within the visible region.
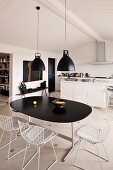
(45, 110)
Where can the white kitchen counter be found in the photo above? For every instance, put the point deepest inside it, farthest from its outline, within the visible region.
(93, 93)
(91, 79)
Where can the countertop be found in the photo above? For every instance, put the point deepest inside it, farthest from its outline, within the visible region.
(108, 81)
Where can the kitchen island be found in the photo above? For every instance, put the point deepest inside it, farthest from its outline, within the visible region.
(89, 91)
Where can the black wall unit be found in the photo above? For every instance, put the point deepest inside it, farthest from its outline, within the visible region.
(51, 74)
(28, 74)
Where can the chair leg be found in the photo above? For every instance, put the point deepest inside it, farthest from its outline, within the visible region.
(96, 154)
(54, 154)
(1, 136)
(105, 152)
(77, 149)
(38, 158)
(84, 144)
(77, 154)
(24, 155)
(9, 157)
(6, 143)
(10, 144)
(54, 150)
(24, 165)
(99, 156)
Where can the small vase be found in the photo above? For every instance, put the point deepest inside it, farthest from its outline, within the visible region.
(23, 91)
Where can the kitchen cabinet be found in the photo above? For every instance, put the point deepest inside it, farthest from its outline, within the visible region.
(81, 92)
(67, 88)
(93, 94)
(97, 96)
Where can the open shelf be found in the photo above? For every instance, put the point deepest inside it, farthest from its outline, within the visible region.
(4, 73)
(3, 76)
(4, 68)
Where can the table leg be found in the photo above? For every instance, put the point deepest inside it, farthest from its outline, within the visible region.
(44, 91)
(29, 119)
(73, 143)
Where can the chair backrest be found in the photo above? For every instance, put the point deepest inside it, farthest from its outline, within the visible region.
(9, 101)
(14, 113)
(32, 133)
(6, 123)
(104, 131)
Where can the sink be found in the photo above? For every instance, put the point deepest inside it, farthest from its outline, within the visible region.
(86, 80)
(71, 79)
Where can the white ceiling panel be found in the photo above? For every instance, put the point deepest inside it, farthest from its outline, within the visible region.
(18, 26)
(97, 14)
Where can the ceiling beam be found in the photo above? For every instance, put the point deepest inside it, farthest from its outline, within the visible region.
(58, 8)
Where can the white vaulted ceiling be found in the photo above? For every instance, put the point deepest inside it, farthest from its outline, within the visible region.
(97, 14)
(87, 19)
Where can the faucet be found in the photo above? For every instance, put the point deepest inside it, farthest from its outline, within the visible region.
(93, 80)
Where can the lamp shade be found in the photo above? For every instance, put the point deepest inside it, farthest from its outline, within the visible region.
(66, 63)
(37, 63)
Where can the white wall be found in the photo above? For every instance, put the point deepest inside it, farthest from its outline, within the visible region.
(109, 50)
(18, 55)
(84, 55)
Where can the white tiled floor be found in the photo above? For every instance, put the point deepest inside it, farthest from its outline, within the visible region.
(84, 159)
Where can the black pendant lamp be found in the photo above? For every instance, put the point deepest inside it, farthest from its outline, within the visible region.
(37, 63)
(65, 63)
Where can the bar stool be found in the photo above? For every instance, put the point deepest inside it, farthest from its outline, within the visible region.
(109, 96)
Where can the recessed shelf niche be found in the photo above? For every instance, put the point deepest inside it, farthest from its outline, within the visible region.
(4, 73)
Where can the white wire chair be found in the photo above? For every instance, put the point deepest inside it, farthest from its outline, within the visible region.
(9, 124)
(94, 136)
(38, 136)
(13, 112)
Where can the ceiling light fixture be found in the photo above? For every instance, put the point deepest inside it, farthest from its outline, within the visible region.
(65, 63)
(37, 63)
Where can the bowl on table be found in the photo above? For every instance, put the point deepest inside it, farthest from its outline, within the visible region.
(58, 103)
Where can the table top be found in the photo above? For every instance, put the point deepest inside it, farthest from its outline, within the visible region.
(45, 110)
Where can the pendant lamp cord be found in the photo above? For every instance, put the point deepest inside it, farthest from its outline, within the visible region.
(37, 30)
(65, 26)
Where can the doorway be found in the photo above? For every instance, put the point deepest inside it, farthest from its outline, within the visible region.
(51, 74)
